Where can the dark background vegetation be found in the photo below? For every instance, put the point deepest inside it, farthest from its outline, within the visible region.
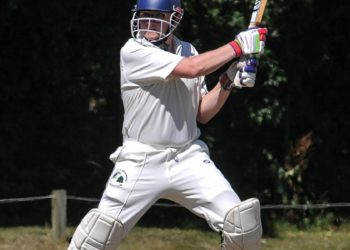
(286, 141)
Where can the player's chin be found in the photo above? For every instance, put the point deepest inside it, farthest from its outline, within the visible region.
(151, 36)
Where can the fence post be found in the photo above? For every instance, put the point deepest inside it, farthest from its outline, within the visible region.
(58, 214)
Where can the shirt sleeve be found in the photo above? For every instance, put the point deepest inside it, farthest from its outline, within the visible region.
(142, 64)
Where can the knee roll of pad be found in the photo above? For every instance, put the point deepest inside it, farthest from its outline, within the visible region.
(242, 226)
(97, 231)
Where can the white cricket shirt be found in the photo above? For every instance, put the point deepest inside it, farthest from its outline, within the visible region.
(158, 111)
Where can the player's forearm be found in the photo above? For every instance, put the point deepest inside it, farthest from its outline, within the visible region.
(205, 63)
(212, 103)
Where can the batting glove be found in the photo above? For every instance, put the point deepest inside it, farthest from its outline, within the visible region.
(240, 74)
(251, 41)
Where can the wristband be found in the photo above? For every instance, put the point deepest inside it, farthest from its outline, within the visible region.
(236, 48)
(225, 82)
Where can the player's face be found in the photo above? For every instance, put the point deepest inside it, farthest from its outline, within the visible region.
(153, 24)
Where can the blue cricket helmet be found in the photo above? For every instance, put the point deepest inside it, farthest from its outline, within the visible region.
(158, 5)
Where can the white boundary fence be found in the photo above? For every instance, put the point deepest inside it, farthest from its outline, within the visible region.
(59, 208)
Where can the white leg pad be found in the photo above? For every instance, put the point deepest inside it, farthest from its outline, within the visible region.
(242, 227)
(97, 231)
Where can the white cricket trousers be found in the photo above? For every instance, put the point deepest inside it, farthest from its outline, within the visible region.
(144, 174)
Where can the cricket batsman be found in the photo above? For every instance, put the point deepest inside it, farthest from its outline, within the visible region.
(164, 97)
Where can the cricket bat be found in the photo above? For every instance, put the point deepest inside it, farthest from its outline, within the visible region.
(257, 14)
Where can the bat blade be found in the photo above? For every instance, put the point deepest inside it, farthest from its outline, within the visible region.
(257, 14)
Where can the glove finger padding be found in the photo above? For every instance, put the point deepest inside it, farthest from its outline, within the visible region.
(251, 64)
(246, 75)
(245, 79)
(241, 73)
(251, 41)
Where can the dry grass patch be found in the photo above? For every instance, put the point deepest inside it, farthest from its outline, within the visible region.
(28, 238)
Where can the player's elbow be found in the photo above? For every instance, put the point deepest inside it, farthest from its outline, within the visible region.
(203, 119)
(203, 122)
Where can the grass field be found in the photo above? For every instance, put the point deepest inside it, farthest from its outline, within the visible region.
(38, 238)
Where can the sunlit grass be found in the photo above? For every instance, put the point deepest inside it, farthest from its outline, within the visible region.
(289, 238)
(28, 238)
